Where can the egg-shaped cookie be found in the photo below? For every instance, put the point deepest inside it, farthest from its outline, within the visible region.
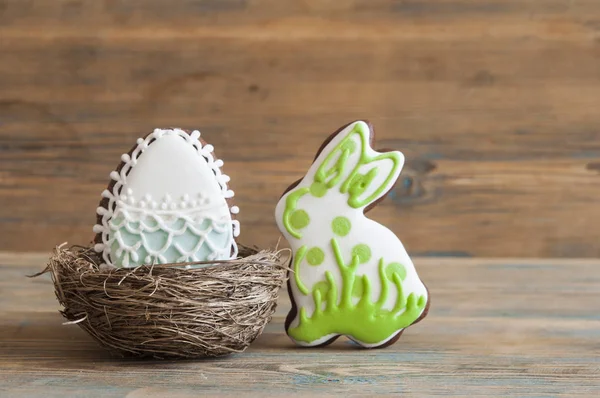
(168, 202)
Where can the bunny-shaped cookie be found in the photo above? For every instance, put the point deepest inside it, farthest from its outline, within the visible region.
(351, 275)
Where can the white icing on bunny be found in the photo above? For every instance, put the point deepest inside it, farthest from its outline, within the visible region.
(352, 275)
(167, 205)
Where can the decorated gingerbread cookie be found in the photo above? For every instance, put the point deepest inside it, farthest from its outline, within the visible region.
(167, 202)
(351, 275)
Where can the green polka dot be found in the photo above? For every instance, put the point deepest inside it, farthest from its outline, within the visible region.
(341, 226)
(357, 289)
(315, 256)
(395, 268)
(299, 219)
(323, 288)
(318, 189)
(363, 252)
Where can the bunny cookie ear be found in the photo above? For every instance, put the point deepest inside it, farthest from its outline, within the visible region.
(373, 178)
(337, 160)
(374, 173)
(350, 162)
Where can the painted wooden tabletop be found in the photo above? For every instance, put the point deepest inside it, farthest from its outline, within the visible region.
(496, 327)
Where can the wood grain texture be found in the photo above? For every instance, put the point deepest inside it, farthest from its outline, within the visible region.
(508, 327)
(493, 102)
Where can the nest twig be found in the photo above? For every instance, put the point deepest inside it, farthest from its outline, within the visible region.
(164, 311)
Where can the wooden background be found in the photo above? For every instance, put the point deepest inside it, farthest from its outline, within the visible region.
(495, 103)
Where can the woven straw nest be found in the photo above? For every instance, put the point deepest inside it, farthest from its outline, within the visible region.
(166, 311)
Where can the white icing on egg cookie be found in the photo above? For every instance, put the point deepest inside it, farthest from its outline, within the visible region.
(167, 203)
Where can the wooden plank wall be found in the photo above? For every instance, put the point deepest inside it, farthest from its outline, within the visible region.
(495, 104)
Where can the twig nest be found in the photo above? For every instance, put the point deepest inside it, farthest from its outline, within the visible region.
(168, 311)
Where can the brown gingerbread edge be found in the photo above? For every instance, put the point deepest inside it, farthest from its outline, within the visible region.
(104, 201)
(294, 308)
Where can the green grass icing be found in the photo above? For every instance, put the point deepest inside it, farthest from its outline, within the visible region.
(366, 320)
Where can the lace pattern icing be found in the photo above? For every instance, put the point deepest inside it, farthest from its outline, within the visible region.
(158, 230)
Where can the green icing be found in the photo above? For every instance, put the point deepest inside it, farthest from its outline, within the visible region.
(349, 146)
(341, 226)
(395, 268)
(357, 290)
(356, 184)
(362, 252)
(332, 176)
(290, 206)
(318, 189)
(366, 320)
(322, 288)
(360, 182)
(315, 256)
(300, 254)
(299, 219)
